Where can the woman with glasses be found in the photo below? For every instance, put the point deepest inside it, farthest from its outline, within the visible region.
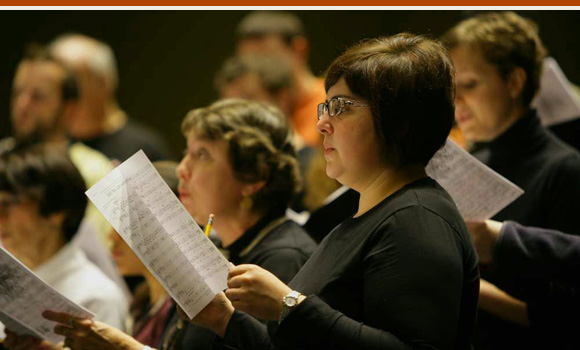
(402, 272)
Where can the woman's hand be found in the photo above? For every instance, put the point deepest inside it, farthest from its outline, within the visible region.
(85, 334)
(14, 341)
(256, 291)
(215, 316)
(485, 234)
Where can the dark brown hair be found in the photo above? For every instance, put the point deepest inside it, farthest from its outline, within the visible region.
(507, 41)
(261, 23)
(408, 80)
(46, 174)
(260, 147)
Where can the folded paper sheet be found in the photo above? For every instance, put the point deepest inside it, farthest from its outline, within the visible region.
(23, 298)
(478, 191)
(557, 102)
(151, 219)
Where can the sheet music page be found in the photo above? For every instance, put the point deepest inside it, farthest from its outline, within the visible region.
(556, 101)
(138, 203)
(478, 191)
(23, 298)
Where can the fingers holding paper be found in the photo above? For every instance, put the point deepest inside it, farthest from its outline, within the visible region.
(15, 342)
(215, 316)
(256, 291)
(85, 334)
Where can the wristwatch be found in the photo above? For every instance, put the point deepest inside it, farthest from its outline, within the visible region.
(289, 302)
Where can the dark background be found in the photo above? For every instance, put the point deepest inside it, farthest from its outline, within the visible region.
(167, 59)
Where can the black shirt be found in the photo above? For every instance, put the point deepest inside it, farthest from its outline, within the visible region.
(326, 218)
(552, 259)
(282, 251)
(568, 132)
(132, 137)
(547, 170)
(402, 275)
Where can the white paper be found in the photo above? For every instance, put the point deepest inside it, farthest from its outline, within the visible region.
(23, 298)
(478, 191)
(556, 101)
(138, 203)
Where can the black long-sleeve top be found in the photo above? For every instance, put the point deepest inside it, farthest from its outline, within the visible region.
(548, 171)
(552, 259)
(403, 275)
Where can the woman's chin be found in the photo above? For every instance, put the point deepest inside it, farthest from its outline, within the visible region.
(332, 172)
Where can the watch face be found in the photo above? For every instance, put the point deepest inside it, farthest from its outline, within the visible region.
(290, 302)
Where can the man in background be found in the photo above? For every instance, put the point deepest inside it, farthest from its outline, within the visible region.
(282, 34)
(43, 106)
(99, 122)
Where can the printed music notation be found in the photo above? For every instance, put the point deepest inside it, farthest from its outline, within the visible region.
(478, 191)
(23, 298)
(556, 102)
(151, 219)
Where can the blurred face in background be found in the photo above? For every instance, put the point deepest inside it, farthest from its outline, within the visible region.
(486, 105)
(247, 86)
(37, 106)
(207, 184)
(250, 87)
(271, 44)
(127, 261)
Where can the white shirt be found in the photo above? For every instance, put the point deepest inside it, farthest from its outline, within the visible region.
(87, 239)
(74, 276)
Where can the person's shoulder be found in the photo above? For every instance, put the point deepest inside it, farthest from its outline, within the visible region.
(424, 193)
(423, 201)
(559, 160)
(80, 150)
(556, 151)
(290, 236)
(6, 144)
(98, 285)
(92, 164)
(140, 131)
(146, 138)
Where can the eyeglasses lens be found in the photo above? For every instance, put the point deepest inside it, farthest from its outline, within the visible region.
(321, 110)
(333, 107)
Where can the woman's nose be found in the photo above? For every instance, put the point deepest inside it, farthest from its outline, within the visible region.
(323, 125)
(182, 172)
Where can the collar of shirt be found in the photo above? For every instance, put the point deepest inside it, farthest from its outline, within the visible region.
(524, 137)
(241, 243)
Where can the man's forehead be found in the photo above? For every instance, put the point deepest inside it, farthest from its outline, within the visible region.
(260, 43)
(39, 72)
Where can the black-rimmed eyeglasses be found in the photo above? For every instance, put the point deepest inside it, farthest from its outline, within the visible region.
(336, 106)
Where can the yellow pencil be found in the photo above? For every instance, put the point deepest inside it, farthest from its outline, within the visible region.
(208, 227)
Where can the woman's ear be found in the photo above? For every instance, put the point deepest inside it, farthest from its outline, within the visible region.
(516, 82)
(253, 188)
(56, 219)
